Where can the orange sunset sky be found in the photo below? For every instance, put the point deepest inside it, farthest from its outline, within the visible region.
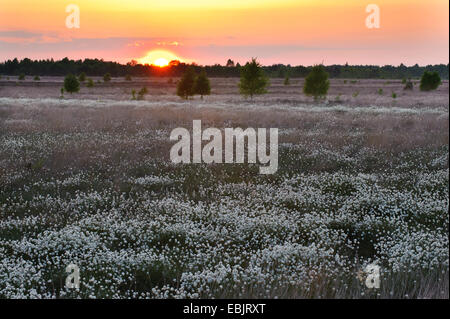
(207, 31)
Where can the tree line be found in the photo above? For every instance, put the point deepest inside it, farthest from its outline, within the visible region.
(253, 81)
(98, 67)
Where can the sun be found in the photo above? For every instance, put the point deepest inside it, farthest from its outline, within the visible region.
(159, 58)
(161, 62)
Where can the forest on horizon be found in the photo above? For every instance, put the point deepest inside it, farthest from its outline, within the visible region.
(99, 67)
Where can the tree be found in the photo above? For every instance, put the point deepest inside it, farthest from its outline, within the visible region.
(286, 81)
(430, 81)
(316, 82)
(90, 83)
(71, 83)
(408, 85)
(107, 77)
(230, 63)
(185, 86)
(202, 86)
(142, 93)
(253, 80)
(82, 77)
(21, 76)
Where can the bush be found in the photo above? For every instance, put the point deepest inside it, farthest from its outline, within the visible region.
(185, 87)
(202, 85)
(430, 81)
(107, 77)
(253, 80)
(394, 95)
(21, 77)
(36, 78)
(141, 93)
(127, 77)
(286, 81)
(90, 83)
(316, 82)
(380, 91)
(71, 84)
(408, 85)
(82, 77)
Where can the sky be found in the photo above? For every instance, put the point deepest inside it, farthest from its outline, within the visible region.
(296, 32)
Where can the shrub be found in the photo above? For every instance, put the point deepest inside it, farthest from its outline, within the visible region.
(185, 87)
(408, 85)
(380, 91)
(202, 85)
(316, 82)
(82, 77)
(141, 93)
(107, 77)
(62, 92)
(128, 77)
(430, 81)
(90, 83)
(355, 94)
(253, 80)
(21, 77)
(394, 95)
(71, 84)
(133, 94)
(36, 78)
(286, 81)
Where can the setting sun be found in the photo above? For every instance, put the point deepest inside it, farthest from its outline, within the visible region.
(161, 62)
(159, 58)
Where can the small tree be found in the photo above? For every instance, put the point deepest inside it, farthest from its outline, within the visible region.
(107, 77)
(408, 85)
(90, 83)
(82, 77)
(71, 84)
(142, 93)
(253, 80)
(430, 81)
(185, 86)
(316, 82)
(202, 85)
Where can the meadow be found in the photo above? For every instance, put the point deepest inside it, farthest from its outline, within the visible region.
(86, 179)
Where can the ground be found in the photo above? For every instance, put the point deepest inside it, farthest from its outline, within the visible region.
(86, 179)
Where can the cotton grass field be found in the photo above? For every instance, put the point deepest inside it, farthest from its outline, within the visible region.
(87, 180)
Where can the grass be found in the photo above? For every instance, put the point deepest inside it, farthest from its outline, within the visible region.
(96, 188)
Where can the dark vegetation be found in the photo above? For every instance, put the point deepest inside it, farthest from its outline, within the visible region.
(96, 67)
